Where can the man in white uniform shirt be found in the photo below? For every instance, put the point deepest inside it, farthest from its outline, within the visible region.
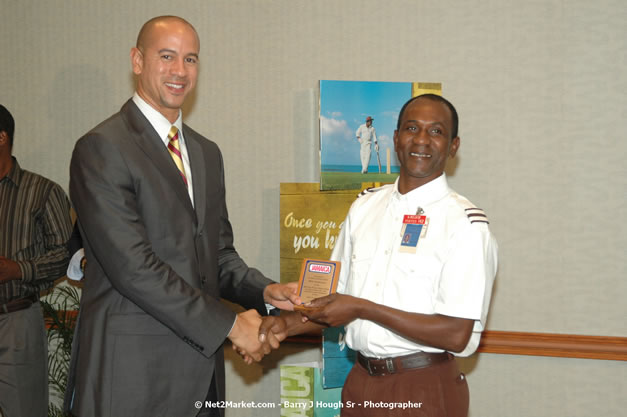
(365, 135)
(411, 299)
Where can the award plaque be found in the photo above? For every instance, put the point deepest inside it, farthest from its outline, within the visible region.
(317, 279)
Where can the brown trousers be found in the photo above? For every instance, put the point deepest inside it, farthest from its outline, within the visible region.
(438, 390)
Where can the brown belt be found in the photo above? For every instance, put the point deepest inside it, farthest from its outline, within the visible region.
(18, 304)
(386, 366)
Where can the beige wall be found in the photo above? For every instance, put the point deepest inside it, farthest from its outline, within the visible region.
(540, 88)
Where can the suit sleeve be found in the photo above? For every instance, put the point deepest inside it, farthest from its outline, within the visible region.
(238, 282)
(102, 188)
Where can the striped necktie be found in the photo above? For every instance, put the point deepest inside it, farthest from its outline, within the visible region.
(175, 151)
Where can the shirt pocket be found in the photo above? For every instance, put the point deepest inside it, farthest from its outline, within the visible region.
(360, 264)
(413, 283)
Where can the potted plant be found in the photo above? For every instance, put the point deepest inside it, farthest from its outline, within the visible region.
(60, 308)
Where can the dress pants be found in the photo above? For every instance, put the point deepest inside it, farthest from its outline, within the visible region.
(23, 363)
(439, 390)
(364, 155)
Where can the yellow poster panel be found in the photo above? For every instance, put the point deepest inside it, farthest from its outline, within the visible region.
(426, 88)
(310, 223)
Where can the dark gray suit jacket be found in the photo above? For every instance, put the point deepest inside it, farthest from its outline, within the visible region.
(151, 324)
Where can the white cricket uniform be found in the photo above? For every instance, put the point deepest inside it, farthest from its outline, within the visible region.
(365, 135)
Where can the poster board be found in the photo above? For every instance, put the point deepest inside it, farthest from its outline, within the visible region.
(348, 111)
(310, 222)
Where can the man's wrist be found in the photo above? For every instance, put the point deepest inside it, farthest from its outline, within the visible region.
(230, 335)
(293, 320)
(362, 308)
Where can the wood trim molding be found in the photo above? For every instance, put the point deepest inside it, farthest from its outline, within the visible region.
(524, 343)
(538, 344)
(556, 345)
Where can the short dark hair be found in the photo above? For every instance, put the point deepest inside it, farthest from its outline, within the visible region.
(433, 97)
(7, 124)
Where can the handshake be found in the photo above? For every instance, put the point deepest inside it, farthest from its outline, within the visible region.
(254, 336)
(262, 335)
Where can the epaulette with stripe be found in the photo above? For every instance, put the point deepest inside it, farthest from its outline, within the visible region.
(476, 215)
(369, 190)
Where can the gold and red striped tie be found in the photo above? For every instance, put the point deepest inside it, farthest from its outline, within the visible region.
(175, 151)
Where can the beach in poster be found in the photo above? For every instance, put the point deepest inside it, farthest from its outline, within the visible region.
(344, 107)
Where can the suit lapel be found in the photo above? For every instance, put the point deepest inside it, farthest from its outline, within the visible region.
(199, 176)
(149, 142)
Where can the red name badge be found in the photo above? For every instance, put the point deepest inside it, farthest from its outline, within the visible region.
(413, 225)
(414, 219)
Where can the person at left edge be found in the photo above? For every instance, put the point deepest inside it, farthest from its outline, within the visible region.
(34, 226)
(159, 250)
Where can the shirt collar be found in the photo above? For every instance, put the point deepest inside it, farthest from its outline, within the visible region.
(424, 195)
(157, 120)
(15, 174)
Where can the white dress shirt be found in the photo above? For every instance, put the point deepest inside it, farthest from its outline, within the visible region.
(451, 273)
(162, 127)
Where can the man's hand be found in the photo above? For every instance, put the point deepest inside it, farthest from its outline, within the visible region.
(272, 331)
(245, 336)
(335, 309)
(282, 296)
(376, 147)
(9, 270)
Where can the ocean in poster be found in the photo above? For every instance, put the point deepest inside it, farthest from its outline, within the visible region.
(356, 168)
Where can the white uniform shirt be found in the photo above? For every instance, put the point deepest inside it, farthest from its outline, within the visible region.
(366, 134)
(162, 126)
(451, 272)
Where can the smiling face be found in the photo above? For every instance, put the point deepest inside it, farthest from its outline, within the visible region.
(166, 64)
(423, 142)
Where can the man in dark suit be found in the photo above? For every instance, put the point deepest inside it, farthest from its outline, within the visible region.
(150, 198)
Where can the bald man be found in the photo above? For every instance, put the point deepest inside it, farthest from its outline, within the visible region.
(150, 198)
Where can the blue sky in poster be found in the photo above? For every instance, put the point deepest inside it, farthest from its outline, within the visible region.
(344, 106)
